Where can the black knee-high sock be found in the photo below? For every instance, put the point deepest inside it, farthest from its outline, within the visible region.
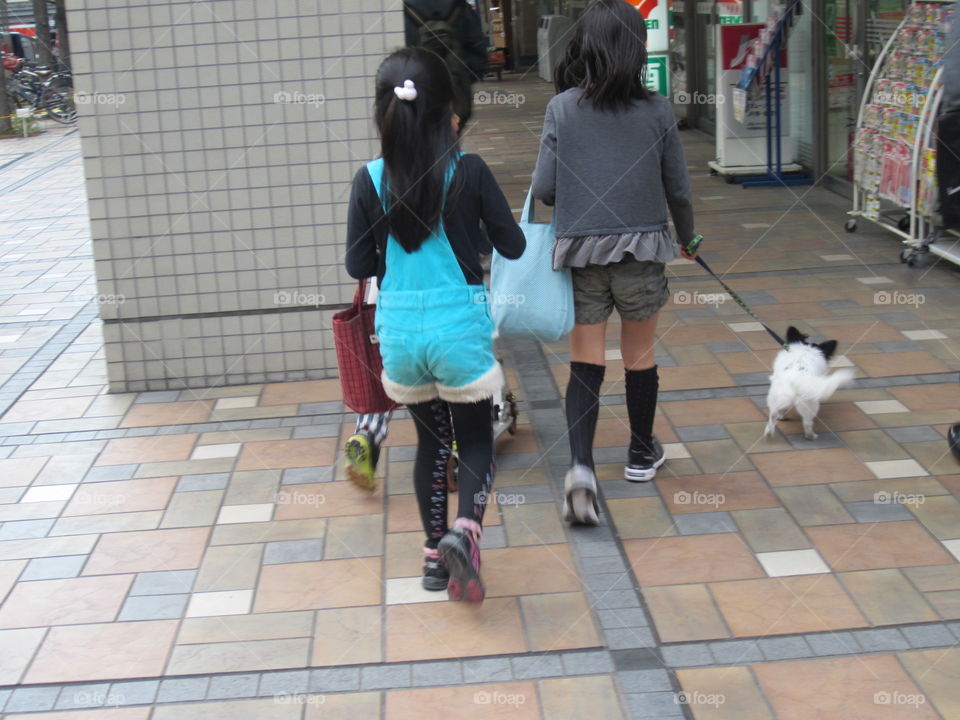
(642, 387)
(583, 408)
(434, 440)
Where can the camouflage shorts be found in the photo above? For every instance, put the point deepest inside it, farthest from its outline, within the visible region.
(637, 289)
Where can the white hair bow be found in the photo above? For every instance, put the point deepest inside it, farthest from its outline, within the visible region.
(408, 92)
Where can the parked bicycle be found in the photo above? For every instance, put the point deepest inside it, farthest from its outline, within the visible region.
(45, 92)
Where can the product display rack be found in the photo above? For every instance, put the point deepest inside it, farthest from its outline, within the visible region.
(894, 156)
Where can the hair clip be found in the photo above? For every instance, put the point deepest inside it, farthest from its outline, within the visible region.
(408, 92)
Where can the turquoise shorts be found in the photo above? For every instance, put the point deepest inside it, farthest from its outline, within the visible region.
(437, 344)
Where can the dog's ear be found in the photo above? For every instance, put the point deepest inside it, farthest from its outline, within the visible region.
(828, 348)
(794, 335)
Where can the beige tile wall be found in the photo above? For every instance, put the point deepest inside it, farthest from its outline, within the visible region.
(219, 141)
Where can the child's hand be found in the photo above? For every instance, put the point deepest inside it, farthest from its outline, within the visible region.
(689, 251)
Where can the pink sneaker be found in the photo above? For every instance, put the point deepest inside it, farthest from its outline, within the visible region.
(460, 553)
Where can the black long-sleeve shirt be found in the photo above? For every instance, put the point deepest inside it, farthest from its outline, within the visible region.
(479, 200)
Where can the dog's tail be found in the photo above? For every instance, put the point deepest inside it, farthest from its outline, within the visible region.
(820, 388)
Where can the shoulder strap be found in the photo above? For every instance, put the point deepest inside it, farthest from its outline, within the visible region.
(375, 169)
(449, 178)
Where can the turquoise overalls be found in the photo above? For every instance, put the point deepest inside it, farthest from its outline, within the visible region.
(435, 330)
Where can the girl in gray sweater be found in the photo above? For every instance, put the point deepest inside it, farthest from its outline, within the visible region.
(612, 163)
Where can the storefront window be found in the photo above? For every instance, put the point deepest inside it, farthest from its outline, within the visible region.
(758, 10)
(679, 71)
(801, 87)
(842, 66)
(849, 60)
(706, 30)
(883, 17)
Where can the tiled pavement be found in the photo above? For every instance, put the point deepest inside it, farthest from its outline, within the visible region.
(198, 554)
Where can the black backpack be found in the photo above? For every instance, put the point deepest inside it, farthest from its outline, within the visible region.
(441, 38)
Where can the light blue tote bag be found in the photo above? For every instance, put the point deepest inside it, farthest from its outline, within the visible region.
(528, 297)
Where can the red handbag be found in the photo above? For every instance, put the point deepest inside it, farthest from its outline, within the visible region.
(358, 357)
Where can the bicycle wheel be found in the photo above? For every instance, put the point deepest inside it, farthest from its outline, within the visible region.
(59, 105)
(60, 80)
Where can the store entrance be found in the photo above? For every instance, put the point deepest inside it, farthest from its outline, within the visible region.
(512, 25)
(832, 50)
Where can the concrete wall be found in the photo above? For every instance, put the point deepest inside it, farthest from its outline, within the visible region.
(219, 141)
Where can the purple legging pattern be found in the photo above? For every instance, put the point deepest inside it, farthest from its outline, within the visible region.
(437, 424)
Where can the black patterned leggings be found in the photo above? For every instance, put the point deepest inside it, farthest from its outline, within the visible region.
(473, 426)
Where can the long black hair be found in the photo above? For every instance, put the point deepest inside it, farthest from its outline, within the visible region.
(607, 56)
(417, 141)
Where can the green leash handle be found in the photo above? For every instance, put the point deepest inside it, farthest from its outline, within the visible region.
(693, 245)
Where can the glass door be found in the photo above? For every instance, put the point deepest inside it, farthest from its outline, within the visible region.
(855, 32)
(846, 71)
(706, 43)
(882, 19)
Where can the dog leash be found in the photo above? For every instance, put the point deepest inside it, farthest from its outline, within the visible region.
(692, 247)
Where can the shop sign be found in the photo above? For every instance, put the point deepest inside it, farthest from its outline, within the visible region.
(654, 12)
(658, 77)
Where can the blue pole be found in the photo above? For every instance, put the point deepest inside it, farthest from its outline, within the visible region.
(773, 83)
(776, 71)
(769, 130)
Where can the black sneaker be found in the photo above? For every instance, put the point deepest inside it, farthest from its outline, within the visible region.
(953, 438)
(644, 463)
(435, 575)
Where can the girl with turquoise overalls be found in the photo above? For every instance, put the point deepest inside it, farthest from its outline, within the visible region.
(414, 222)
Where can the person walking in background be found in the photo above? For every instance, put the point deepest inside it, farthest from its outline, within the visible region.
(361, 452)
(948, 146)
(612, 163)
(414, 222)
(450, 29)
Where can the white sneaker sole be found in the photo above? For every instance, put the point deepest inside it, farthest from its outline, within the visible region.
(580, 496)
(637, 475)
